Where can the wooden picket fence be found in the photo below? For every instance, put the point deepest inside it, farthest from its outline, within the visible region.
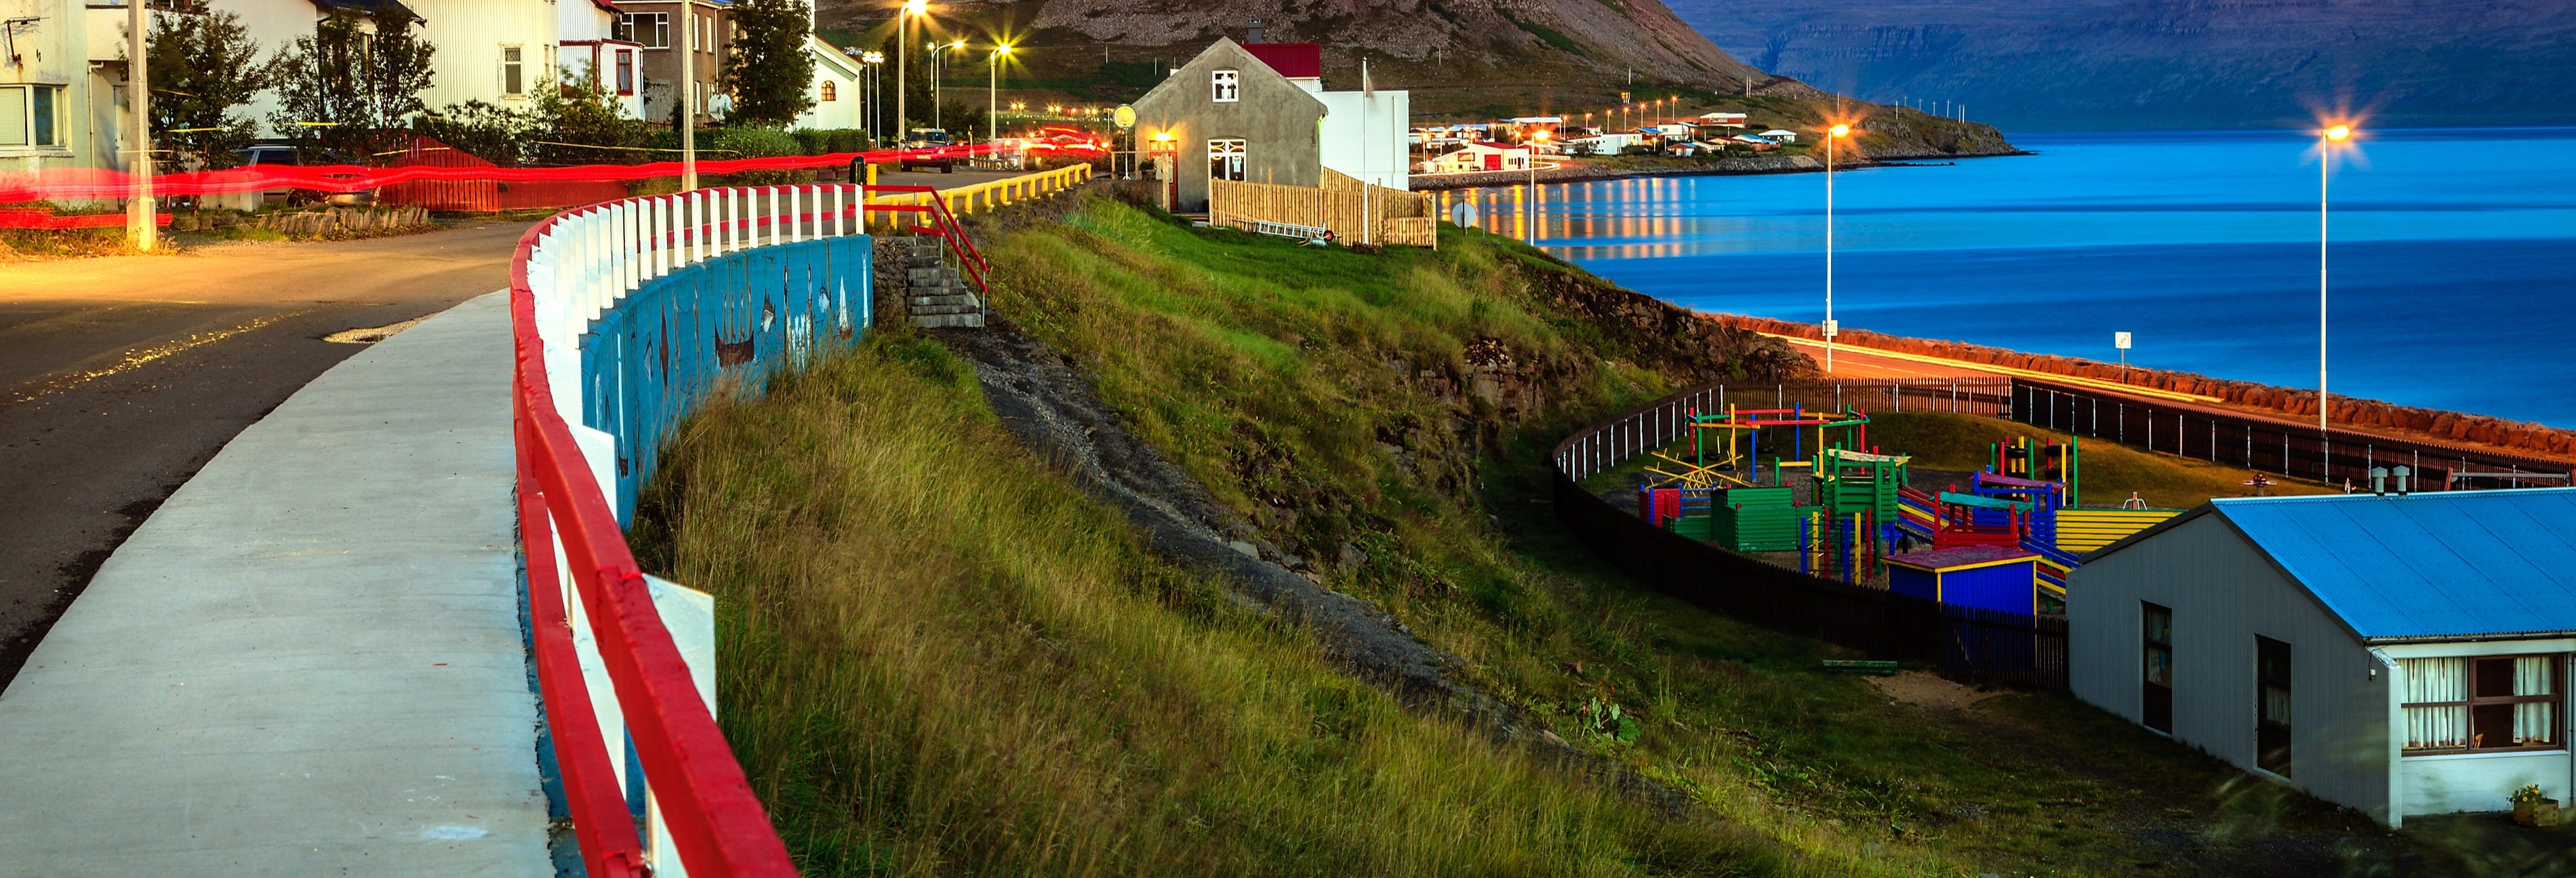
(1355, 212)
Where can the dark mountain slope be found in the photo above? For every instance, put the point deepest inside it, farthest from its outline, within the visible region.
(2089, 64)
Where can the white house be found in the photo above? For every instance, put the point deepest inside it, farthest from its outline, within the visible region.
(1782, 135)
(589, 45)
(836, 88)
(62, 86)
(1482, 156)
(1365, 133)
(2401, 655)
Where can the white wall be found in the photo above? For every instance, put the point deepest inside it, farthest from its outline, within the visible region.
(1368, 136)
(2223, 592)
(469, 35)
(2452, 783)
(55, 52)
(842, 112)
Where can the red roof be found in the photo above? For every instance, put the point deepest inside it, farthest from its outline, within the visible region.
(1292, 60)
(1492, 145)
(1961, 556)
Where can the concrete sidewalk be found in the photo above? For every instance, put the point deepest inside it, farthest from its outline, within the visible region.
(309, 661)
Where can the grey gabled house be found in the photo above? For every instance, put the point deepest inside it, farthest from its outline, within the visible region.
(1229, 114)
(2399, 654)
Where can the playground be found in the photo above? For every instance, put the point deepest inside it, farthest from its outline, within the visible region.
(1952, 508)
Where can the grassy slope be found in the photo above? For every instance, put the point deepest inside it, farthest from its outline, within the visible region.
(942, 658)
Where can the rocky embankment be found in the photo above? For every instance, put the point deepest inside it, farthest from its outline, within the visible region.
(2365, 413)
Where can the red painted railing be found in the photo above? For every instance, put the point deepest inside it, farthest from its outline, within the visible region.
(717, 825)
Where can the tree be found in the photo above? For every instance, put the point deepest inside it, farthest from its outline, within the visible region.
(203, 65)
(343, 90)
(584, 124)
(767, 69)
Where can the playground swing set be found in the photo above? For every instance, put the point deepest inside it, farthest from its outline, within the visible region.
(1863, 518)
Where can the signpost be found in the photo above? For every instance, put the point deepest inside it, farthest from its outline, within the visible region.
(2121, 340)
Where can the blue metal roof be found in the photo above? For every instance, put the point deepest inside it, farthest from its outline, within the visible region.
(2447, 563)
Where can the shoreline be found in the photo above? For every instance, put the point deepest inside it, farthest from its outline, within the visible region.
(2415, 423)
(1585, 171)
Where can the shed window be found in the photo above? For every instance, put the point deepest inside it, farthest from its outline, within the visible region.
(831, 90)
(1225, 159)
(2272, 705)
(1225, 86)
(2156, 694)
(2456, 705)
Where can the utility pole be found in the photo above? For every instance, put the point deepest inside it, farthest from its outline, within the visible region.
(688, 95)
(903, 61)
(138, 93)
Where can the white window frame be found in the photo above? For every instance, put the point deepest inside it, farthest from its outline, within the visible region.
(653, 29)
(1225, 86)
(510, 68)
(1239, 149)
(18, 101)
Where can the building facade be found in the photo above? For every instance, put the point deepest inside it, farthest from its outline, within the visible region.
(838, 90)
(655, 27)
(62, 86)
(2400, 655)
(1229, 115)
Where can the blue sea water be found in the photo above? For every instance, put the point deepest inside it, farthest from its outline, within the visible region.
(2452, 256)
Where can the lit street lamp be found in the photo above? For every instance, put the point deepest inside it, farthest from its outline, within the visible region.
(1838, 132)
(1537, 139)
(2326, 140)
(876, 92)
(992, 90)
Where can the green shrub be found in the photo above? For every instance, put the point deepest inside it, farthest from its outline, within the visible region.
(746, 142)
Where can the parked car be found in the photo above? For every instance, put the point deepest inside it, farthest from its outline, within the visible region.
(928, 138)
(275, 151)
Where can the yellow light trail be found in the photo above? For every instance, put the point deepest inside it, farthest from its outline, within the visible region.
(2080, 381)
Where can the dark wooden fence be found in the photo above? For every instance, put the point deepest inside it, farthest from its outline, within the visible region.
(1967, 643)
(2261, 444)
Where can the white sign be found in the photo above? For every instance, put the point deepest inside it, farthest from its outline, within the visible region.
(2120, 340)
(1832, 328)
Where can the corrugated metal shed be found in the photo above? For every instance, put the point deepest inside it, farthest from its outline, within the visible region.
(2442, 564)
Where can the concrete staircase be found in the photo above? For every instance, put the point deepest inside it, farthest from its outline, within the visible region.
(934, 295)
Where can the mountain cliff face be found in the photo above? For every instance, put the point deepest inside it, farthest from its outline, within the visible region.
(2112, 64)
(1462, 51)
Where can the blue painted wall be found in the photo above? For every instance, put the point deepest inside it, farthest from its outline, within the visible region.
(663, 347)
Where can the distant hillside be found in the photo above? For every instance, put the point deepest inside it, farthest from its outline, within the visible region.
(2127, 64)
(1454, 54)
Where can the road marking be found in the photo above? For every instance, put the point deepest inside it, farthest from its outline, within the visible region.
(140, 357)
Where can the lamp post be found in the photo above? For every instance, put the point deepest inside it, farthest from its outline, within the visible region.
(1537, 139)
(992, 92)
(2326, 140)
(139, 216)
(1838, 132)
(876, 92)
(938, 52)
(903, 59)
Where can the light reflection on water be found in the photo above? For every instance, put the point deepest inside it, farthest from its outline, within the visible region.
(2450, 247)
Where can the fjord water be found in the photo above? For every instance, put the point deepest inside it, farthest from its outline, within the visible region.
(2453, 255)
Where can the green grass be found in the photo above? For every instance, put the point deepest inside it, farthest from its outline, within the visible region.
(941, 658)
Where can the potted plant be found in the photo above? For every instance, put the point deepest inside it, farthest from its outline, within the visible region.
(2532, 809)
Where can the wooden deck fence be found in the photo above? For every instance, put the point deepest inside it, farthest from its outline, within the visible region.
(1355, 212)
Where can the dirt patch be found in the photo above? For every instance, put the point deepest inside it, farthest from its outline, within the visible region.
(1926, 689)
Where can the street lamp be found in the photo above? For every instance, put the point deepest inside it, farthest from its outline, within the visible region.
(938, 52)
(2326, 140)
(903, 59)
(1537, 139)
(876, 91)
(1838, 132)
(992, 92)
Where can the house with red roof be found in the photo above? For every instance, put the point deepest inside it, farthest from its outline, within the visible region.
(1258, 112)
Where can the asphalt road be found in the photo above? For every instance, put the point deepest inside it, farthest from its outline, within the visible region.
(121, 376)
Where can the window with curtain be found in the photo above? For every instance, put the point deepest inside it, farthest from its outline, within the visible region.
(1225, 86)
(1225, 159)
(2459, 705)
